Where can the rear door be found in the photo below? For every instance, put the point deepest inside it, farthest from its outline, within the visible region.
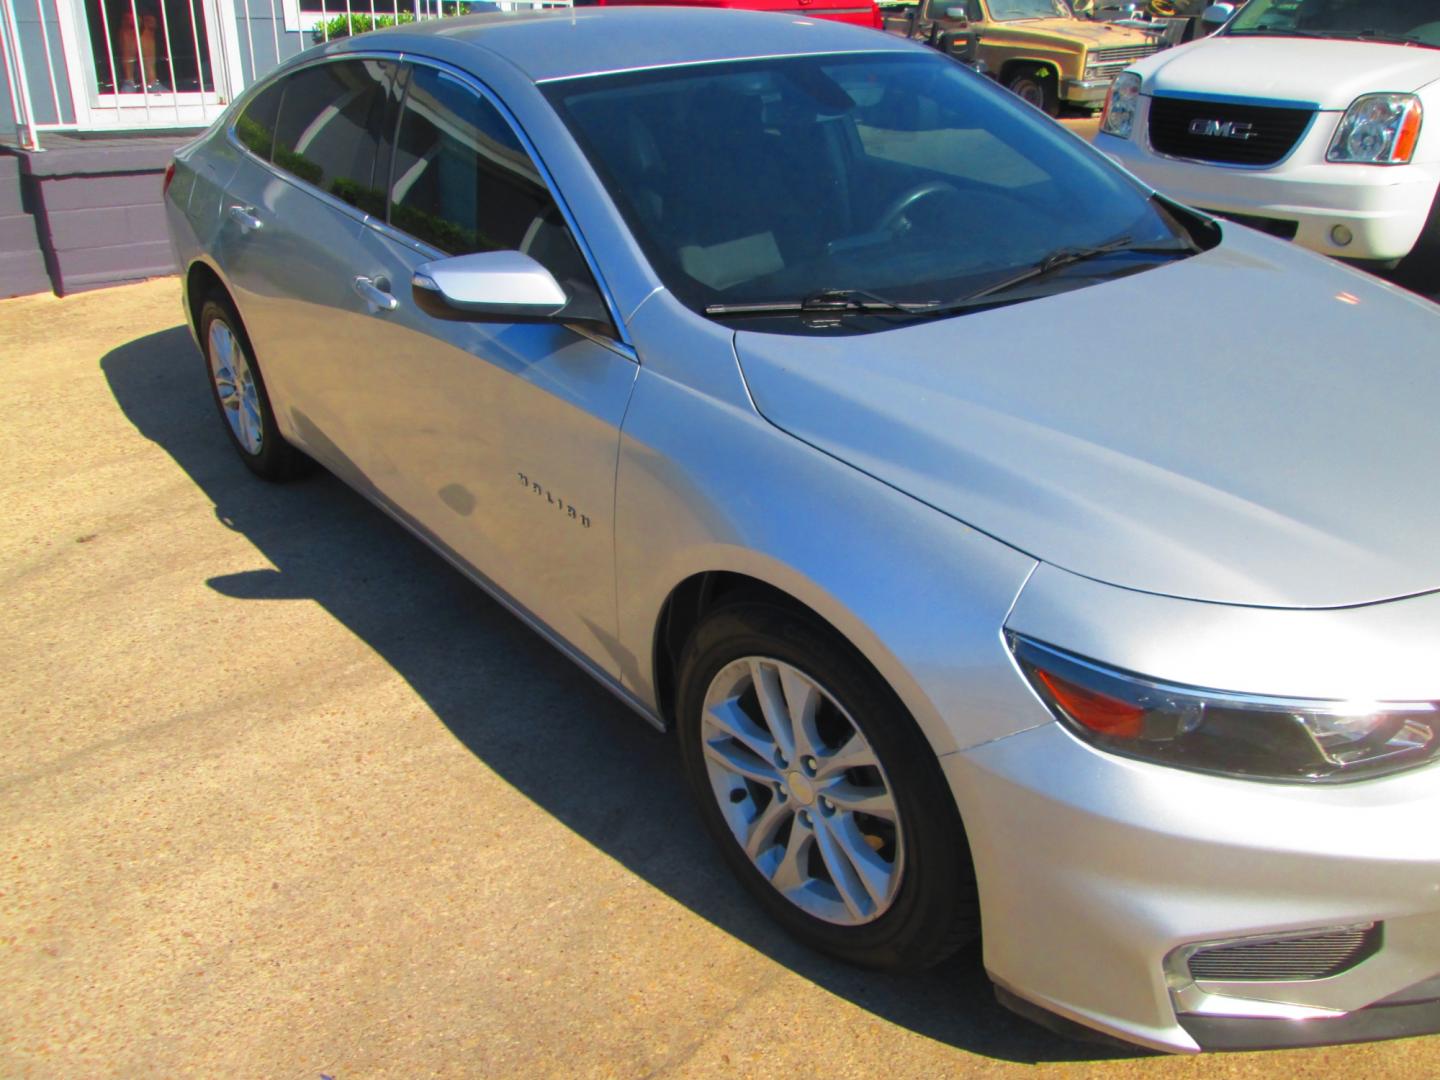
(292, 224)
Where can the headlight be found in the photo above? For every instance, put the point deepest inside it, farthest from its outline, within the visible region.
(1122, 102)
(1378, 129)
(1214, 731)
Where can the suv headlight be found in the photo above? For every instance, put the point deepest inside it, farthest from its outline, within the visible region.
(1213, 731)
(1122, 102)
(1378, 129)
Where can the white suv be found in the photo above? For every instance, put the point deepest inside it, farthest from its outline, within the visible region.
(1303, 118)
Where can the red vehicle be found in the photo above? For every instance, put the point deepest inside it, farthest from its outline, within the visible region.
(857, 12)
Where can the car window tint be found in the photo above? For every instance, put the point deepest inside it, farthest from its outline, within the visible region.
(463, 183)
(332, 123)
(897, 174)
(256, 126)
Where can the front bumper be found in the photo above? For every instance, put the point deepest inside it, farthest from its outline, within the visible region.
(1085, 91)
(1384, 207)
(1099, 874)
(1094, 869)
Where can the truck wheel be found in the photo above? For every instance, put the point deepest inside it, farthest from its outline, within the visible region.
(1037, 85)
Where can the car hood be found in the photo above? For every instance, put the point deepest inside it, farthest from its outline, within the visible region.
(1253, 425)
(1327, 74)
(1062, 32)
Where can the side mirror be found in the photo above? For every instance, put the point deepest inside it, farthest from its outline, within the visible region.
(488, 286)
(1216, 14)
(960, 45)
(957, 12)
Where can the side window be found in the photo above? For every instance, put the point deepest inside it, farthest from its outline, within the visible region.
(462, 183)
(256, 126)
(332, 129)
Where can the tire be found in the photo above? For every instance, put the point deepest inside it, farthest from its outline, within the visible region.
(910, 885)
(1420, 270)
(1036, 85)
(238, 391)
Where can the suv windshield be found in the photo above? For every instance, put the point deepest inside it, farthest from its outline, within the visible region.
(1400, 22)
(1010, 10)
(902, 177)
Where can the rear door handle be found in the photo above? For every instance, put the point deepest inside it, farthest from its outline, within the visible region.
(248, 221)
(376, 294)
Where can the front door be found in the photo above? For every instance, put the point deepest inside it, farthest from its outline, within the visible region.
(500, 440)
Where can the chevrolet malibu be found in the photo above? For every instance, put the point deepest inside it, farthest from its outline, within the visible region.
(771, 369)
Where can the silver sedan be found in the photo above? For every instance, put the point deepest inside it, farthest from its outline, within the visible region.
(1007, 545)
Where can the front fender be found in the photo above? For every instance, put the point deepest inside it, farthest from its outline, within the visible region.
(707, 484)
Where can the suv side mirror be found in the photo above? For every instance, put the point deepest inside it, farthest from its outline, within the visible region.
(1216, 14)
(488, 286)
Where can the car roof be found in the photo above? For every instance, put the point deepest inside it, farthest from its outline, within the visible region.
(575, 42)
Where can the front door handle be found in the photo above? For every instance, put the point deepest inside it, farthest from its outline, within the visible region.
(376, 294)
(248, 221)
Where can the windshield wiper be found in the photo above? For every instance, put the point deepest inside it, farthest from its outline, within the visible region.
(1332, 35)
(1385, 35)
(1276, 31)
(824, 302)
(1058, 259)
(858, 301)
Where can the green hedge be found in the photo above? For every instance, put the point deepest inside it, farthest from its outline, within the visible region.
(360, 22)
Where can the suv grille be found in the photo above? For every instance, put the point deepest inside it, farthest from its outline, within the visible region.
(1307, 956)
(1237, 134)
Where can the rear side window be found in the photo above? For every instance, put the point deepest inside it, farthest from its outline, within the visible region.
(462, 182)
(256, 126)
(332, 127)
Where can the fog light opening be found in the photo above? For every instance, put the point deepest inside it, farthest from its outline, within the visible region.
(1340, 236)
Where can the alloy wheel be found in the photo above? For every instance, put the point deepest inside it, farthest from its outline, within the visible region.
(802, 791)
(235, 387)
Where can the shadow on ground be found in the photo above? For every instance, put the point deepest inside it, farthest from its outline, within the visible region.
(579, 752)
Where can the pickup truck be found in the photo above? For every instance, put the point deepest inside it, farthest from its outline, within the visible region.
(1037, 48)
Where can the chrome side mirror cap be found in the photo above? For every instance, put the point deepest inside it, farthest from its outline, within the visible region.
(1216, 14)
(488, 286)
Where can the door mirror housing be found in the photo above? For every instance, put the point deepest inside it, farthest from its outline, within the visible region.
(957, 11)
(489, 286)
(1217, 14)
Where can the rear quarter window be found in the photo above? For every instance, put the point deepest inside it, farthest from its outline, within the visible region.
(256, 127)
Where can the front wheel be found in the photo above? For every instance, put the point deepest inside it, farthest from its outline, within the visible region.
(821, 792)
(1037, 86)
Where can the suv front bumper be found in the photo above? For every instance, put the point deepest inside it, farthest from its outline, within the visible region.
(1384, 208)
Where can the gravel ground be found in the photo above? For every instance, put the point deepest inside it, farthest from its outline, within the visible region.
(283, 796)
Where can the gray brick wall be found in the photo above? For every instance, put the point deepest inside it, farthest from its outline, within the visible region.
(96, 209)
(22, 263)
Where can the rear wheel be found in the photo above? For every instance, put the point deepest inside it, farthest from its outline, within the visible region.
(821, 792)
(1036, 85)
(238, 390)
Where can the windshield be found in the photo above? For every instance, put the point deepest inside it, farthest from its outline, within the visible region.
(1010, 10)
(904, 176)
(1401, 22)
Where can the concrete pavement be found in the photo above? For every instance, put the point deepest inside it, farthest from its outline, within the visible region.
(281, 795)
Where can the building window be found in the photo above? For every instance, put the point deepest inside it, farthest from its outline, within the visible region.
(149, 46)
